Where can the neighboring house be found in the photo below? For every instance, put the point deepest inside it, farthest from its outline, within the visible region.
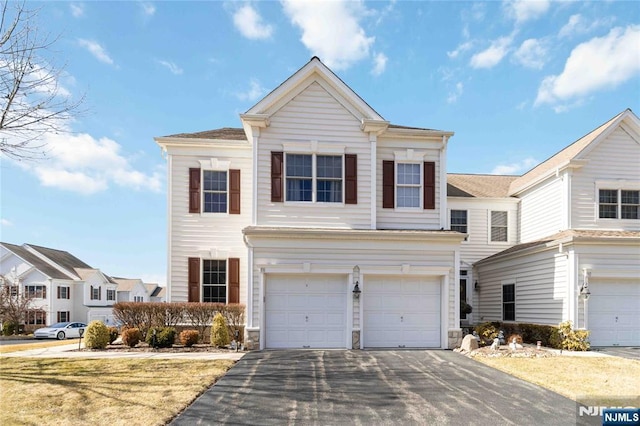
(63, 287)
(131, 290)
(578, 256)
(156, 293)
(317, 198)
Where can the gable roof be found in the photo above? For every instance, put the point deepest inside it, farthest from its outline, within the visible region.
(127, 284)
(226, 133)
(478, 186)
(314, 66)
(568, 235)
(569, 153)
(38, 263)
(60, 257)
(158, 292)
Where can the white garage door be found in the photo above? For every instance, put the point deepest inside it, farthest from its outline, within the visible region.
(614, 313)
(401, 312)
(306, 311)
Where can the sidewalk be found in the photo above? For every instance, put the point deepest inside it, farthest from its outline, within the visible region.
(70, 351)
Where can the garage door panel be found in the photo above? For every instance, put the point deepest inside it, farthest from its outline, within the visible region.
(614, 313)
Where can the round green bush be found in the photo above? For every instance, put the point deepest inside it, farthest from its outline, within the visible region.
(9, 328)
(96, 335)
(164, 337)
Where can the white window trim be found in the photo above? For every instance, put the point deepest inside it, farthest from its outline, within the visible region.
(420, 186)
(619, 185)
(515, 299)
(202, 192)
(314, 180)
(226, 278)
(489, 225)
(467, 224)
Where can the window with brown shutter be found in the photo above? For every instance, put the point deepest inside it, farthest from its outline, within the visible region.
(351, 178)
(194, 279)
(388, 184)
(429, 185)
(276, 177)
(234, 280)
(234, 191)
(194, 190)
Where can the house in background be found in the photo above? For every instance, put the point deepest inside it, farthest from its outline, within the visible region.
(131, 290)
(339, 229)
(62, 287)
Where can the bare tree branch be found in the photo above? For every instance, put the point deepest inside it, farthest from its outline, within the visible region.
(32, 101)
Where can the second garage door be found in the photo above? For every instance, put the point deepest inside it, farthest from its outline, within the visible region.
(306, 311)
(614, 313)
(401, 312)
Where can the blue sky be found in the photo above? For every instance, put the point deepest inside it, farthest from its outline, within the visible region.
(515, 80)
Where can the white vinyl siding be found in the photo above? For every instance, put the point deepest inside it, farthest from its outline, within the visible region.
(207, 235)
(615, 159)
(542, 210)
(314, 118)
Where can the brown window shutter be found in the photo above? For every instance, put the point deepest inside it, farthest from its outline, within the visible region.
(351, 178)
(234, 191)
(234, 280)
(58, 296)
(388, 184)
(68, 292)
(429, 185)
(277, 159)
(44, 292)
(99, 293)
(194, 190)
(194, 279)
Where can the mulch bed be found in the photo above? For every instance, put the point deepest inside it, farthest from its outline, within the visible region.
(506, 352)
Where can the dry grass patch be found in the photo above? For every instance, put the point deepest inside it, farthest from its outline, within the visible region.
(5, 349)
(574, 376)
(101, 391)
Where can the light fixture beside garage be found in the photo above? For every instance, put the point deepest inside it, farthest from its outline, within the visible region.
(356, 280)
(584, 290)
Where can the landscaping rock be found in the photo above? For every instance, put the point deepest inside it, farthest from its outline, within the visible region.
(469, 343)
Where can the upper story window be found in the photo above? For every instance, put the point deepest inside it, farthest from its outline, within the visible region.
(64, 293)
(409, 185)
(214, 281)
(36, 291)
(499, 226)
(312, 177)
(618, 204)
(459, 221)
(214, 189)
(139, 299)
(96, 292)
(111, 295)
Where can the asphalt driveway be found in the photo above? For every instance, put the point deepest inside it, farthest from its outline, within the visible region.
(392, 387)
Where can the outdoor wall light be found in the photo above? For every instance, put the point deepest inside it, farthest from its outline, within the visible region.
(476, 286)
(584, 292)
(356, 291)
(356, 279)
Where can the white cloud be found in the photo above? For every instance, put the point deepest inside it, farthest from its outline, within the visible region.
(5, 222)
(148, 9)
(80, 163)
(526, 10)
(463, 47)
(380, 63)
(600, 63)
(254, 92)
(514, 168)
(532, 53)
(96, 50)
(173, 68)
(492, 56)
(340, 44)
(77, 9)
(578, 25)
(455, 94)
(250, 24)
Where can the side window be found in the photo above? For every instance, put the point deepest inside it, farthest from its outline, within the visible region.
(508, 302)
(214, 190)
(459, 221)
(408, 185)
(499, 222)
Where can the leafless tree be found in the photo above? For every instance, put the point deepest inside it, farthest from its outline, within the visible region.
(32, 101)
(15, 302)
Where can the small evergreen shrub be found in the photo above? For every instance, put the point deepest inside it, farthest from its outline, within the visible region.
(565, 337)
(9, 328)
(161, 337)
(113, 334)
(189, 338)
(96, 335)
(131, 337)
(487, 332)
(220, 331)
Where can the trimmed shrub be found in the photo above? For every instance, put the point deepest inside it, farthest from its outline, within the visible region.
(189, 338)
(161, 337)
(9, 328)
(234, 314)
(220, 331)
(131, 337)
(113, 334)
(514, 336)
(96, 336)
(572, 340)
(487, 332)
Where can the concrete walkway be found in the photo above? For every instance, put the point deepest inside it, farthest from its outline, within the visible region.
(71, 351)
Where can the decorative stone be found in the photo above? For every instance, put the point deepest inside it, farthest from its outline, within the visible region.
(355, 339)
(469, 343)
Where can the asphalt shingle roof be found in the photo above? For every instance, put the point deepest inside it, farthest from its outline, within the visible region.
(37, 262)
(226, 133)
(478, 186)
(62, 258)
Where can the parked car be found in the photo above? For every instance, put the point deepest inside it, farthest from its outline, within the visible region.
(60, 331)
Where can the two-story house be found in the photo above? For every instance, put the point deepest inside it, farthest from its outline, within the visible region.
(578, 251)
(327, 221)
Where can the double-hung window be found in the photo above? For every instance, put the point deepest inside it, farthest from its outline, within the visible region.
(618, 204)
(499, 226)
(96, 292)
(459, 221)
(36, 291)
(214, 281)
(408, 185)
(214, 190)
(508, 302)
(64, 316)
(63, 293)
(314, 178)
(111, 295)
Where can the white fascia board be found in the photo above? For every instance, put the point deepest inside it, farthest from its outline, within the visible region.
(170, 142)
(569, 164)
(416, 133)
